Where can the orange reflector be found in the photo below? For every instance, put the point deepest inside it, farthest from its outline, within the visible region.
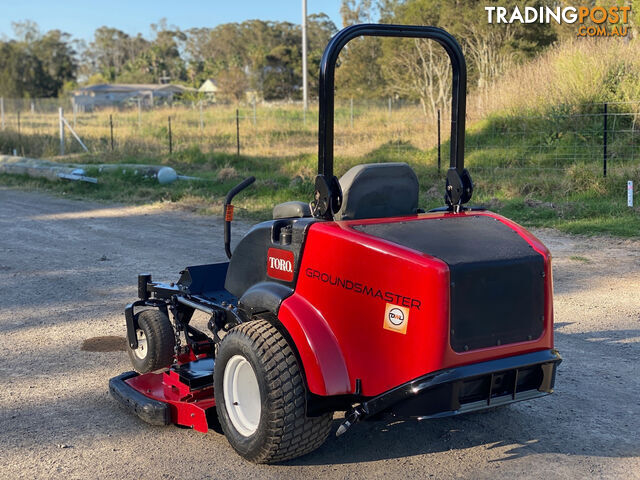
(228, 214)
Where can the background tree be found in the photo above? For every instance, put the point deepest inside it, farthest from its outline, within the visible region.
(163, 54)
(267, 52)
(36, 65)
(359, 73)
(233, 83)
(266, 56)
(417, 69)
(320, 29)
(420, 70)
(109, 51)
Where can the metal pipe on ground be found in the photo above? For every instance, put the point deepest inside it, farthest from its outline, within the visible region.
(54, 171)
(42, 169)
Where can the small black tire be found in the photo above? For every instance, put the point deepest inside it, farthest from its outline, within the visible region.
(282, 429)
(156, 342)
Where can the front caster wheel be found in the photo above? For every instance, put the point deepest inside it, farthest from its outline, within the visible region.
(155, 342)
(260, 396)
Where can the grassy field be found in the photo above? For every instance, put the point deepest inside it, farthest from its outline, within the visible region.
(576, 200)
(268, 130)
(534, 146)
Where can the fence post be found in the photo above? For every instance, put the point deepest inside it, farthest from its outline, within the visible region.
(20, 135)
(604, 151)
(170, 137)
(73, 132)
(60, 117)
(389, 107)
(633, 146)
(351, 112)
(139, 113)
(111, 130)
(254, 111)
(75, 111)
(439, 157)
(238, 131)
(2, 112)
(201, 119)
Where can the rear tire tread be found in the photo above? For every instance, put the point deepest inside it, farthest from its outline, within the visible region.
(290, 433)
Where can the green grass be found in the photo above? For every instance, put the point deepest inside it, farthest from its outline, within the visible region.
(549, 189)
(220, 172)
(576, 200)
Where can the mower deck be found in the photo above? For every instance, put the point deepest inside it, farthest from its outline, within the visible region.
(182, 395)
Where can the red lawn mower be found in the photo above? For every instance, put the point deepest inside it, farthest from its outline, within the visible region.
(357, 302)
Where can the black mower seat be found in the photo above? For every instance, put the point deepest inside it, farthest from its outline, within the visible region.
(378, 190)
(293, 209)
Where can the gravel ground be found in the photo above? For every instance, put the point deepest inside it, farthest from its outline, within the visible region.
(67, 268)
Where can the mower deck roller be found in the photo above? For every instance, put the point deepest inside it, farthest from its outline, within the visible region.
(358, 302)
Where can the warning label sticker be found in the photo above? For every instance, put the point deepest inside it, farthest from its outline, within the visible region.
(396, 318)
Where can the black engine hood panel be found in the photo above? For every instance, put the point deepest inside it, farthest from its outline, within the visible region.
(497, 278)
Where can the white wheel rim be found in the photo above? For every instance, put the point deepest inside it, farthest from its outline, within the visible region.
(242, 395)
(141, 351)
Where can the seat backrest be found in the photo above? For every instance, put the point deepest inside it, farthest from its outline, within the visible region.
(293, 209)
(378, 190)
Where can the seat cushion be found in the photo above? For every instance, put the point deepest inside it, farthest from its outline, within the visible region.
(378, 190)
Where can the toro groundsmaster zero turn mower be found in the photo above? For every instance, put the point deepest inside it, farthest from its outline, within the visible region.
(357, 302)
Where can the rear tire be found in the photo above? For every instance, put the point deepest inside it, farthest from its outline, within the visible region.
(155, 342)
(254, 359)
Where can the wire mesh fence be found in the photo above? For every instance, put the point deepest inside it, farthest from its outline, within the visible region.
(604, 136)
(596, 134)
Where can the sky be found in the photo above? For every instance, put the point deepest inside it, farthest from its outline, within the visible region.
(82, 18)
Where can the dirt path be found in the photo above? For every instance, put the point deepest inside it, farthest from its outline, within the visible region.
(67, 268)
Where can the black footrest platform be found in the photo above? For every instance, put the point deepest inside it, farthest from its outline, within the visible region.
(197, 374)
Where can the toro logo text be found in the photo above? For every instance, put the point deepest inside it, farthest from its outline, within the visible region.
(280, 264)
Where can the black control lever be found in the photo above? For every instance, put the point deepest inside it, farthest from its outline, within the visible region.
(228, 211)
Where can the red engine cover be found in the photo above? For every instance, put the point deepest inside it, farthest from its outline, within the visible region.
(388, 306)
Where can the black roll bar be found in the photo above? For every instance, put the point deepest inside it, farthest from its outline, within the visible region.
(458, 98)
